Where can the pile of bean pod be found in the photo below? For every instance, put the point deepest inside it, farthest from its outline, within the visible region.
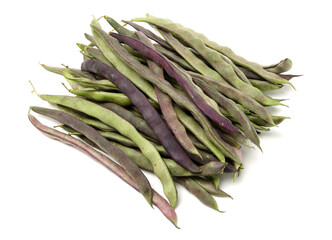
(168, 101)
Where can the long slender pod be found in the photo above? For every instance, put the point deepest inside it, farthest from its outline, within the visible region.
(88, 131)
(264, 85)
(103, 96)
(213, 57)
(102, 85)
(166, 106)
(127, 130)
(157, 200)
(88, 120)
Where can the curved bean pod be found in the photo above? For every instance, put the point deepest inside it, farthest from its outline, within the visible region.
(158, 200)
(119, 28)
(88, 131)
(283, 66)
(127, 130)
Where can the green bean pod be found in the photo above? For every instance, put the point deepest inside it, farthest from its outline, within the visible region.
(264, 85)
(102, 85)
(283, 66)
(90, 121)
(102, 96)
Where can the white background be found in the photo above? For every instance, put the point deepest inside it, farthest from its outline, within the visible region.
(51, 191)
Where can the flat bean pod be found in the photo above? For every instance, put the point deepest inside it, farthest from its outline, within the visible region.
(88, 131)
(157, 200)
